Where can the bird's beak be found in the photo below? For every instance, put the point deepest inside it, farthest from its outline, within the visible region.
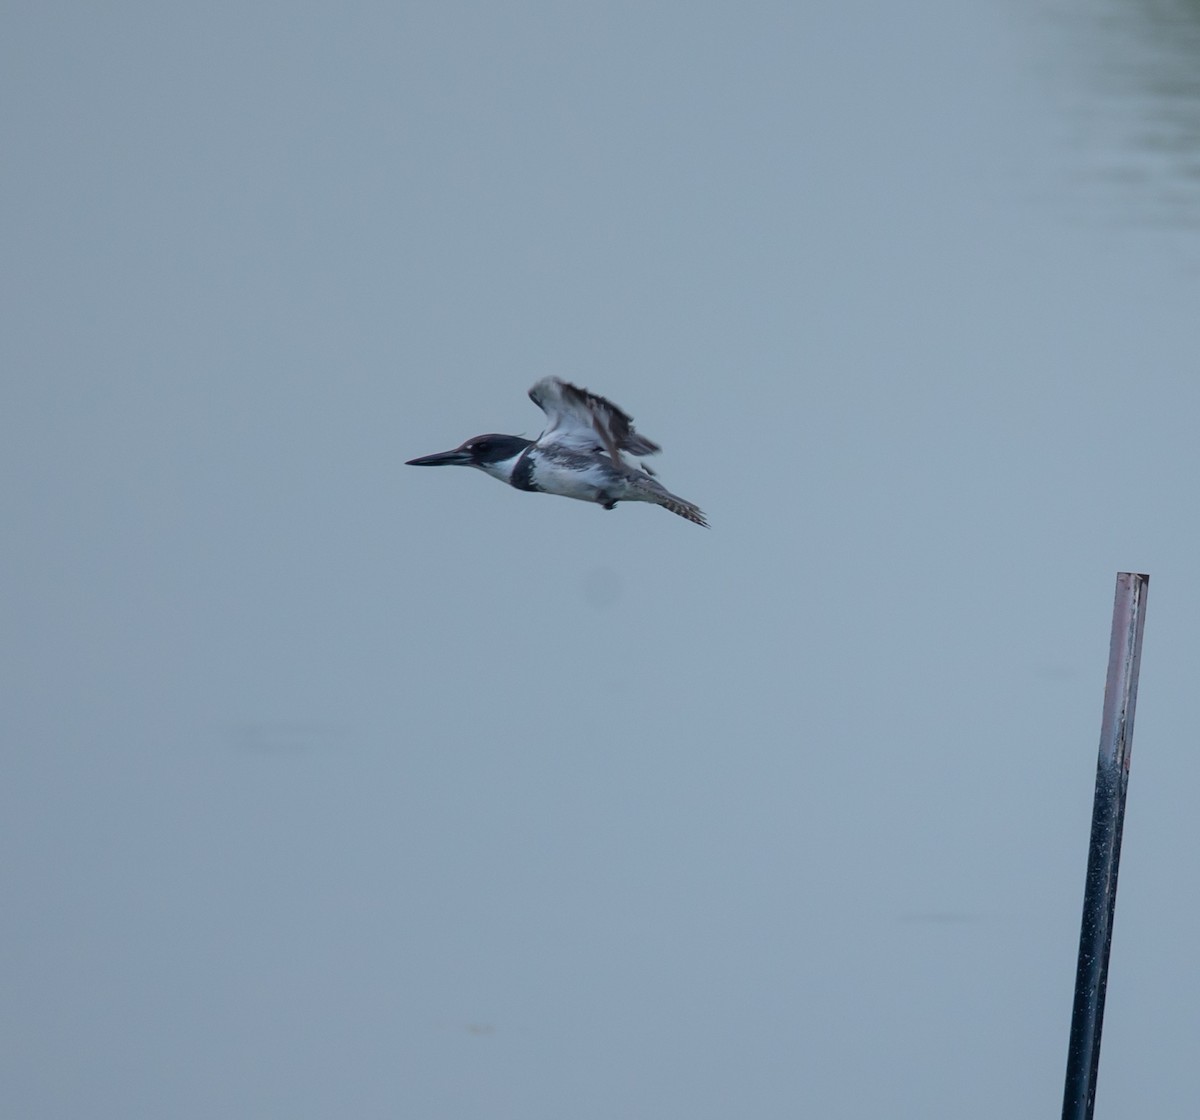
(457, 457)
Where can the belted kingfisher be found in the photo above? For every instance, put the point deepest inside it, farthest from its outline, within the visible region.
(577, 456)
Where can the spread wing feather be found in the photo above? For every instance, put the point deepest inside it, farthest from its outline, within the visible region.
(586, 421)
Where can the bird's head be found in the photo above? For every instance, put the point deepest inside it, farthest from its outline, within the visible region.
(495, 454)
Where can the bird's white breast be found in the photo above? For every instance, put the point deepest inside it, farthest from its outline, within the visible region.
(554, 477)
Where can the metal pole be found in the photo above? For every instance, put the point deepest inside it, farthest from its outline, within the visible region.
(1104, 853)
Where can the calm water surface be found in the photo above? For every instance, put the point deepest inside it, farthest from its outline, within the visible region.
(334, 789)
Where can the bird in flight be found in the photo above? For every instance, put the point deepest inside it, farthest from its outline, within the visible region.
(579, 455)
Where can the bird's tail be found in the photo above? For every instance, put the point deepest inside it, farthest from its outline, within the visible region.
(648, 490)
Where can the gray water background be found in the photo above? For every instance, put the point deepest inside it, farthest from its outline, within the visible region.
(337, 788)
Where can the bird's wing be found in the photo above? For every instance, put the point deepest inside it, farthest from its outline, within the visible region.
(584, 421)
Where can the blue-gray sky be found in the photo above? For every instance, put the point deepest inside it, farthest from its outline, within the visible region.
(337, 788)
